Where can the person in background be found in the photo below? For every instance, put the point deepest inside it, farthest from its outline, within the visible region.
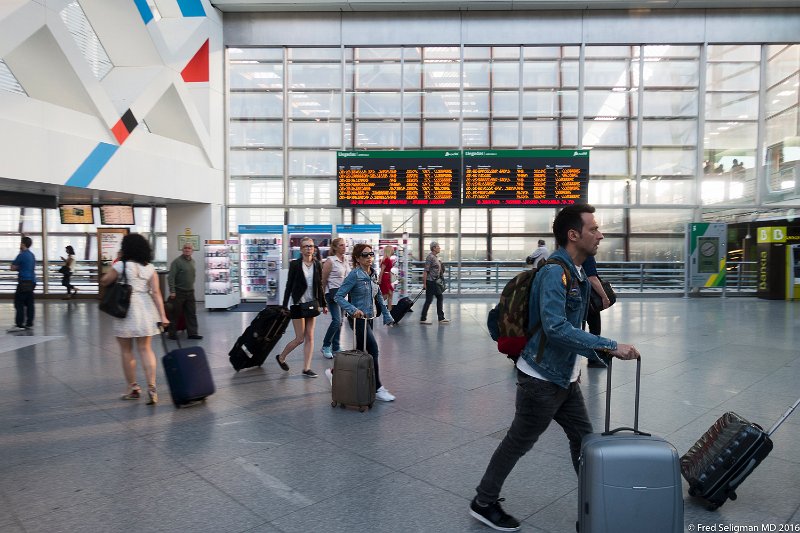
(25, 266)
(593, 315)
(334, 270)
(433, 271)
(539, 255)
(548, 370)
(387, 263)
(145, 311)
(304, 285)
(68, 269)
(181, 278)
(362, 287)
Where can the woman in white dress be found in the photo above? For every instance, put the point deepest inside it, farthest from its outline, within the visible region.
(144, 313)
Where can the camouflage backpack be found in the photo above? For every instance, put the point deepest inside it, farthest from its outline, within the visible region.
(508, 321)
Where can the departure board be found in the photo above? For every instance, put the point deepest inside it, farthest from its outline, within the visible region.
(422, 178)
(514, 178)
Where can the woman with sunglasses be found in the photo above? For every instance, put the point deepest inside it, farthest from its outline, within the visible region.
(304, 285)
(362, 287)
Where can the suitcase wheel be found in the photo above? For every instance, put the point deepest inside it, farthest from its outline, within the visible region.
(342, 405)
(361, 409)
(732, 496)
(692, 492)
(333, 404)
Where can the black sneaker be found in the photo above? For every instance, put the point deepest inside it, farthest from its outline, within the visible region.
(493, 516)
(309, 373)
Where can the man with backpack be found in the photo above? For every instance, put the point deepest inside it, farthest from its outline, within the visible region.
(548, 368)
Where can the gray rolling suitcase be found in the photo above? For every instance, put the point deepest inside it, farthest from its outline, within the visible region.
(354, 376)
(628, 482)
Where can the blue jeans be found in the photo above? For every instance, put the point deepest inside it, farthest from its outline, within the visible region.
(335, 328)
(538, 402)
(372, 345)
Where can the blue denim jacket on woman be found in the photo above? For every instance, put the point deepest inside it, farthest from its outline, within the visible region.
(359, 285)
(560, 310)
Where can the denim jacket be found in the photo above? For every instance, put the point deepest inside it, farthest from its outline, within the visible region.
(560, 311)
(359, 285)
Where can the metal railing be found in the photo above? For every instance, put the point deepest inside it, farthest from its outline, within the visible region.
(645, 277)
(473, 278)
(85, 278)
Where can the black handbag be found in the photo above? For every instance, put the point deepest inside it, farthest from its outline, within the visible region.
(305, 310)
(64, 270)
(441, 286)
(117, 297)
(596, 301)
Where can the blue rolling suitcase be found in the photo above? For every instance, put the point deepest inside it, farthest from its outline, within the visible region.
(188, 373)
(628, 482)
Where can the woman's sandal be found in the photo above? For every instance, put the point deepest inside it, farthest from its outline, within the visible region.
(134, 394)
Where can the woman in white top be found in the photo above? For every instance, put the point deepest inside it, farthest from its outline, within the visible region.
(67, 269)
(304, 285)
(145, 311)
(335, 269)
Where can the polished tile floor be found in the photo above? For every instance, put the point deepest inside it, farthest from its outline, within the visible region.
(267, 453)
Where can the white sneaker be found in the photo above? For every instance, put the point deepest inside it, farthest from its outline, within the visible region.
(327, 353)
(329, 375)
(429, 321)
(384, 395)
(444, 321)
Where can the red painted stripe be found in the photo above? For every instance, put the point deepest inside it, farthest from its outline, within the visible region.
(197, 68)
(120, 131)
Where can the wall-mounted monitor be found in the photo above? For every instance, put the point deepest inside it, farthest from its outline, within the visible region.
(389, 178)
(76, 214)
(525, 178)
(117, 215)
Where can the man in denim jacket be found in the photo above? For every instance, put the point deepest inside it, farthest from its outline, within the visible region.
(548, 369)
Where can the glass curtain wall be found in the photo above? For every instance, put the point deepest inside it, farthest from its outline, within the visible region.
(673, 130)
(15, 221)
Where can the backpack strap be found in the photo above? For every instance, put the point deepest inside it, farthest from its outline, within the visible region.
(568, 276)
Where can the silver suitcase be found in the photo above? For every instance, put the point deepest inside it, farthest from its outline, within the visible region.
(629, 481)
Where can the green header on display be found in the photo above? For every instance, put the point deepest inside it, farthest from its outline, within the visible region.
(397, 154)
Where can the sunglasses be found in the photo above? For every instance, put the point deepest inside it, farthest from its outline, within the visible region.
(308, 246)
(367, 254)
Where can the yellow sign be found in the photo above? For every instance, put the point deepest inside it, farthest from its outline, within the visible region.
(771, 234)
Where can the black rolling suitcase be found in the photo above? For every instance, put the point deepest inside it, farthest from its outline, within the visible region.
(725, 455)
(188, 374)
(403, 306)
(259, 338)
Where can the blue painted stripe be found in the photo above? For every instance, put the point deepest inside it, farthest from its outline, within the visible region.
(92, 166)
(144, 10)
(192, 8)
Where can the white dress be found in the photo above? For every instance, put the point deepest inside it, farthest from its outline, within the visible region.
(142, 316)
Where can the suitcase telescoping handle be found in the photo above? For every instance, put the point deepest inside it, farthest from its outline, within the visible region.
(355, 339)
(788, 412)
(164, 337)
(635, 427)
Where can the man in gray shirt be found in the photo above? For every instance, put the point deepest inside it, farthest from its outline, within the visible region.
(434, 270)
(539, 255)
(181, 292)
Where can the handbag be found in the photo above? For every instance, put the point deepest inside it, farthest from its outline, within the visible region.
(306, 310)
(441, 286)
(117, 297)
(64, 270)
(596, 301)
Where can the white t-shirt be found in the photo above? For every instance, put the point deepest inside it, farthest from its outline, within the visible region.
(525, 368)
(308, 272)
